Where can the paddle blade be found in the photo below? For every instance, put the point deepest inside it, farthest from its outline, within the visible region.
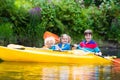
(49, 34)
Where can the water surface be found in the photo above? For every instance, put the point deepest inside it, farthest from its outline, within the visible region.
(55, 71)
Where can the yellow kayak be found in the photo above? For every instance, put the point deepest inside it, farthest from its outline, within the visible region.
(29, 54)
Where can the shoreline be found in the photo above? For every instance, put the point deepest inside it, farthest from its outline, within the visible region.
(109, 45)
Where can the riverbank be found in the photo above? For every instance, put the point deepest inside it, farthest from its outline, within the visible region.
(107, 44)
(109, 48)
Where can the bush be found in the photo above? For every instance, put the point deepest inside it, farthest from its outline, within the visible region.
(6, 34)
(31, 19)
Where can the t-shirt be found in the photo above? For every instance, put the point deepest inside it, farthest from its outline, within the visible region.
(90, 46)
(64, 46)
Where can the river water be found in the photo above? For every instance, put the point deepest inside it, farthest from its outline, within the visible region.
(56, 71)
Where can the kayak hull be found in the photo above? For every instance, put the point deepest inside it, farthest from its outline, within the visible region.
(38, 55)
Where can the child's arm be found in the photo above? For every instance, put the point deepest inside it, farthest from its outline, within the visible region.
(97, 50)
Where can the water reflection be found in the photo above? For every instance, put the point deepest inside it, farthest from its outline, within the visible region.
(48, 71)
(116, 70)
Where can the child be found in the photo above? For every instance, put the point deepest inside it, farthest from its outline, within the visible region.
(88, 44)
(64, 42)
(49, 43)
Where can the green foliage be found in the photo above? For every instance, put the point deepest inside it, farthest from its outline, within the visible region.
(31, 18)
(6, 34)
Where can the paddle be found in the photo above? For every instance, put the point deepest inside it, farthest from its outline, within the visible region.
(112, 58)
(50, 34)
(116, 61)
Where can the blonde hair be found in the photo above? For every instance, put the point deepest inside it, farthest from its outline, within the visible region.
(69, 38)
(49, 39)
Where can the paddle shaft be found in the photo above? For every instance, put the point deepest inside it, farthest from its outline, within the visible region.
(115, 61)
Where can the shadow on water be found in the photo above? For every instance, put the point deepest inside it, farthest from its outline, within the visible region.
(111, 52)
(52, 71)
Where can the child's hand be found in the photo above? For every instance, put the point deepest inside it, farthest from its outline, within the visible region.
(58, 48)
(99, 54)
(75, 46)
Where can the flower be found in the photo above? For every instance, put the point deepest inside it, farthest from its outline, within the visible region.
(35, 11)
